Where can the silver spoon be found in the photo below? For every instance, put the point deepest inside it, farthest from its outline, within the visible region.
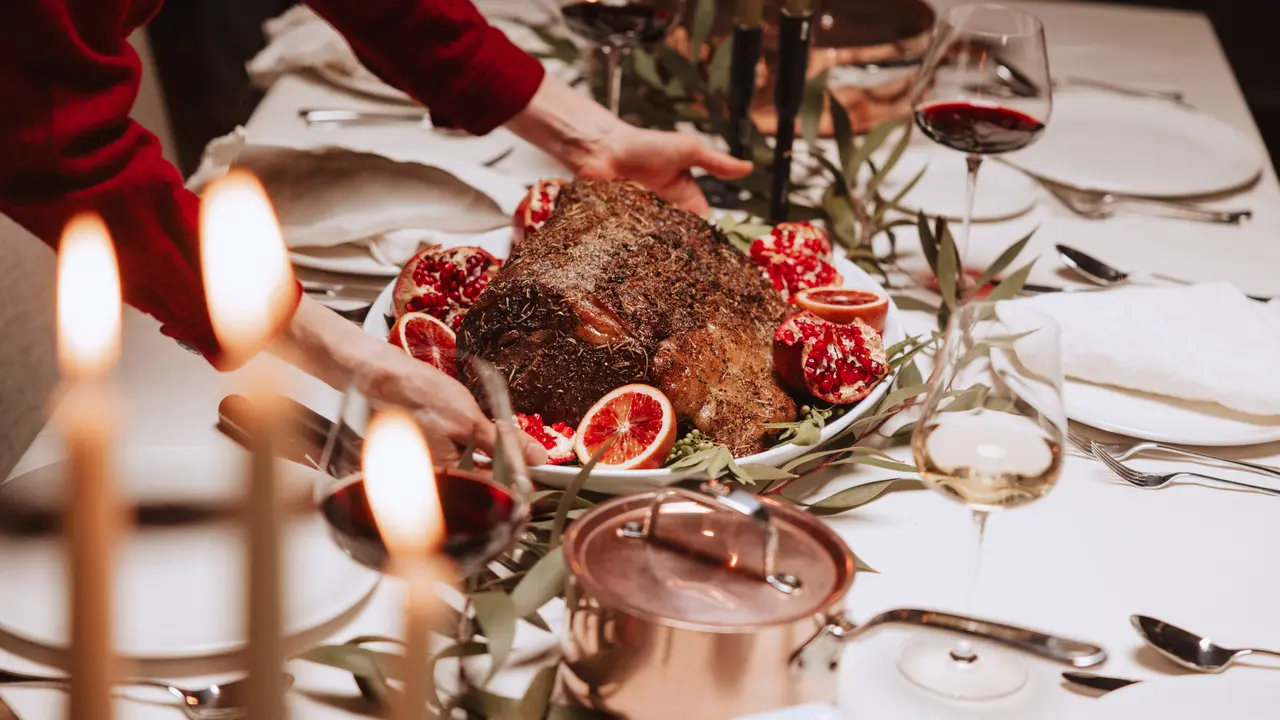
(1188, 649)
(1100, 273)
(216, 702)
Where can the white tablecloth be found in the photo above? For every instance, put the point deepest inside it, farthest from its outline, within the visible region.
(1077, 563)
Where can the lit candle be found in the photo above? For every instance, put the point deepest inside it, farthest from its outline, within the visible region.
(88, 309)
(400, 484)
(249, 287)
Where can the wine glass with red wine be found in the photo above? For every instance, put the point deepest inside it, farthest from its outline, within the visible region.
(618, 26)
(984, 87)
(485, 504)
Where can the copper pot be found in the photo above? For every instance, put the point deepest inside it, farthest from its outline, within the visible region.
(715, 606)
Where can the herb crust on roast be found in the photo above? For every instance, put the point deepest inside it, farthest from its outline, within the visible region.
(622, 287)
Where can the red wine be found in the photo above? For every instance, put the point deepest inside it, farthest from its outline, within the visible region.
(618, 25)
(978, 129)
(480, 520)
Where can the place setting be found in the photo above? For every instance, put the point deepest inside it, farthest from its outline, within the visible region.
(738, 412)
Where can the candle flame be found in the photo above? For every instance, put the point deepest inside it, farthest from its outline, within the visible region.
(88, 298)
(400, 484)
(247, 276)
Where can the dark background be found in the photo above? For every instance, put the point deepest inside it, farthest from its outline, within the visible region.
(201, 46)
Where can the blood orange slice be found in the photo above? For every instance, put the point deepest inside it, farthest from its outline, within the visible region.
(844, 305)
(641, 422)
(427, 339)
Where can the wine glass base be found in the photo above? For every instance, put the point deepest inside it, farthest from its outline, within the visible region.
(927, 661)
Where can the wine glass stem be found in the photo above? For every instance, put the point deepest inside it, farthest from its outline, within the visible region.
(973, 161)
(963, 651)
(614, 56)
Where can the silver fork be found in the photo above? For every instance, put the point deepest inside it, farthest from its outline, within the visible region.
(1154, 480)
(1097, 205)
(1121, 451)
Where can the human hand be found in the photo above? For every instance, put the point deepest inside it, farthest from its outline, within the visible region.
(443, 408)
(660, 161)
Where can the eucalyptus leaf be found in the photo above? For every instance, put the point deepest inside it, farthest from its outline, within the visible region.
(870, 143)
(848, 499)
(1006, 258)
(497, 615)
(859, 565)
(1012, 285)
(646, 68)
(928, 242)
(351, 658)
(948, 271)
(718, 69)
(538, 697)
(542, 583)
(815, 93)
(704, 15)
(680, 67)
(895, 202)
(842, 128)
(895, 465)
(873, 185)
(844, 222)
(765, 473)
(908, 302)
(910, 375)
(571, 493)
(374, 639)
(899, 395)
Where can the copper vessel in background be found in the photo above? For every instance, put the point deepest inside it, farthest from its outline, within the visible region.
(870, 48)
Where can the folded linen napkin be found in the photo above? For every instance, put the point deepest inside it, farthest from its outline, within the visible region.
(1200, 343)
(332, 189)
(301, 40)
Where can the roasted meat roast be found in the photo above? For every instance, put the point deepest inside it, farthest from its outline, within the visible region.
(622, 287)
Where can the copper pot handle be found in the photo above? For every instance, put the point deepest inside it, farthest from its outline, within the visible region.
(718, 496)
(822, 651)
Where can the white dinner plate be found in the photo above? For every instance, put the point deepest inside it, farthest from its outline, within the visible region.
(1240, 694)
(357, 260)
(1163, 419)
(1139, 146)
(179, 588)
(621, 482)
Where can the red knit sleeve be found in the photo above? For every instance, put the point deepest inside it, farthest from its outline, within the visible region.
(69, 79)
(443, 53)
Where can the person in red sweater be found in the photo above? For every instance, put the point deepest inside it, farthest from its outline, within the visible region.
(68, 78)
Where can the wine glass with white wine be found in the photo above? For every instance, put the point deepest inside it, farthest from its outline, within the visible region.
(990, 436)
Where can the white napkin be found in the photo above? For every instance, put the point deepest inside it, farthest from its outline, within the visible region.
(332, 189)
(1200, 343)
(300, 40)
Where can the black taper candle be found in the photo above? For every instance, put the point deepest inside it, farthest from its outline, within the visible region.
(794, 34)
(747, 41)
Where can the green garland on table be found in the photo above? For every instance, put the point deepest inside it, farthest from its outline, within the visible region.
(676, 89)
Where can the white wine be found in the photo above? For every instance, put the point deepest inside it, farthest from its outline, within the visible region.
(986, 459)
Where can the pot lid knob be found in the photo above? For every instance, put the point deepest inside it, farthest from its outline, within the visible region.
(719, 496)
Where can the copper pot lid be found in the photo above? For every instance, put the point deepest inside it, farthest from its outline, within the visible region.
(703, 560)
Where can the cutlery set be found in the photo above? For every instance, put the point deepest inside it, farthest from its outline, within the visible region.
(1183, 647)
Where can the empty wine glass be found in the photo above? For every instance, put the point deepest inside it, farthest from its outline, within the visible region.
(485, 507)
(984, 87)
(990, 436)
(618, 26)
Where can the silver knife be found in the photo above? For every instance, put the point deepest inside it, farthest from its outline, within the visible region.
(6, 712)
(1098, 682)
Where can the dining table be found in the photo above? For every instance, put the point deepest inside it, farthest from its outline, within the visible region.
(1077, 563)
